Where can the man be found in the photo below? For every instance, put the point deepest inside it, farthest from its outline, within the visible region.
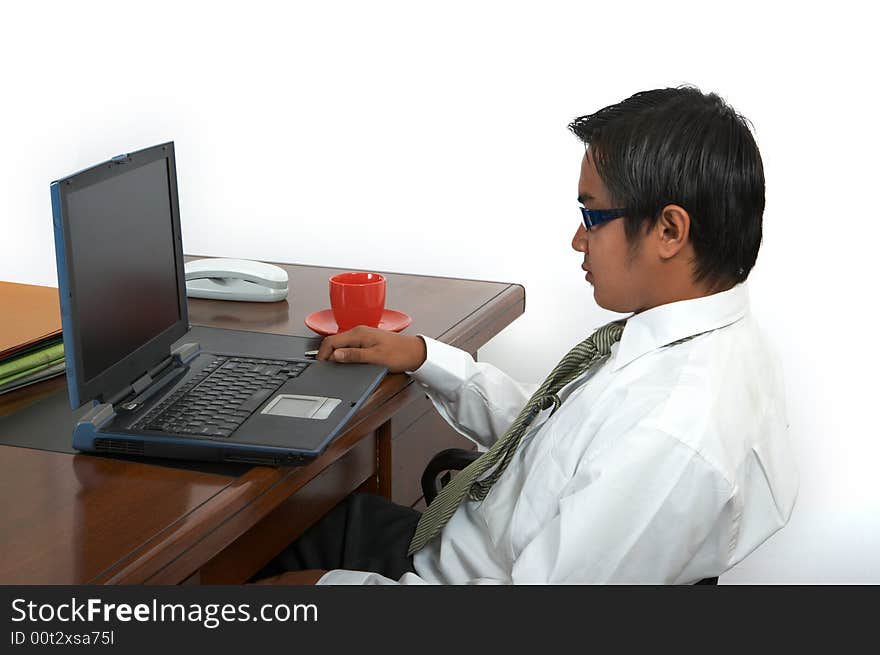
(656, 451)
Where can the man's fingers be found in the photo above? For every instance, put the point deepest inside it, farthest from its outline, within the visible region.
(342, 355)
(325, 350)
(354, 355)
(351, 339)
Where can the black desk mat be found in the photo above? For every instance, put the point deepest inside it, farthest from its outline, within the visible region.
(48, 423)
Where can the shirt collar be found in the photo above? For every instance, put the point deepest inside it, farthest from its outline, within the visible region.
(660, 326)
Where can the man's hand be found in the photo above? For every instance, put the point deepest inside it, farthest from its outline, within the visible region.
(306, 577)
(366, 345)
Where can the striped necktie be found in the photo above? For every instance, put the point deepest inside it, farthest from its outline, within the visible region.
(470, 482)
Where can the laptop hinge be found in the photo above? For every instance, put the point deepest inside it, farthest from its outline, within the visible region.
(125, 392)
(142, 382)
(185, 352)
(163, 372)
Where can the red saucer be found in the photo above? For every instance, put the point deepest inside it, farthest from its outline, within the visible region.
(324, 323)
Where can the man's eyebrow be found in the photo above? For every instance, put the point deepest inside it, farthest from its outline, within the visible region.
(582, 198)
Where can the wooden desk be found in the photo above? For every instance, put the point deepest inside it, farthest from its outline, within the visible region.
(79, 519)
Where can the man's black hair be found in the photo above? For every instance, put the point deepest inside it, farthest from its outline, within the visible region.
(681, 146)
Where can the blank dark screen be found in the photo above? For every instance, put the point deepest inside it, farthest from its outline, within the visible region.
(124, 274)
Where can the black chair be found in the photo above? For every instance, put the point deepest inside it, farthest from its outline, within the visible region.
(438, 473)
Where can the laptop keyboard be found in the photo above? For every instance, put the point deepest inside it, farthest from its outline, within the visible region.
(218, 400)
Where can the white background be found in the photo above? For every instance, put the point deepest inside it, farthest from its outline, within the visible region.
(431, 138)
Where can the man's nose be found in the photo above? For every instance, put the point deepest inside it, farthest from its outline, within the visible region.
(579, 241)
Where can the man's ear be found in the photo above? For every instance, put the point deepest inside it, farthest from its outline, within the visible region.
(672, 231)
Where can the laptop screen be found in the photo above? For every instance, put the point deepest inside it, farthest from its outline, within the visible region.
(122, 262)
(120, 270)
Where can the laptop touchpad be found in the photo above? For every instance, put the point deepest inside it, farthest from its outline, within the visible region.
(293, 406)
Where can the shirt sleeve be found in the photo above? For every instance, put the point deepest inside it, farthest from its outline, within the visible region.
(476, 398)
(639, 512)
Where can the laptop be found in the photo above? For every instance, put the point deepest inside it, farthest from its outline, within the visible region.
(153, 388)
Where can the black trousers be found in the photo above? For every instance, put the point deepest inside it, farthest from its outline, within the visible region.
(364, 532)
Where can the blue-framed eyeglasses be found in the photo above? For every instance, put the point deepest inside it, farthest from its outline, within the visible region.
(593, 217)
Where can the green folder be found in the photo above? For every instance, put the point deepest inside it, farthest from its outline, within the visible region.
(6, 379)
(31, 360)
(52, 371)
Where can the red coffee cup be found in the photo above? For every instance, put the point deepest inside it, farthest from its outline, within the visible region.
(357, 299)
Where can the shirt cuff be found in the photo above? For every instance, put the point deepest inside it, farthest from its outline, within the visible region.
(445, 367)
(343, 577)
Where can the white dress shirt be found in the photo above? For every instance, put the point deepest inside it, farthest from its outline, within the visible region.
(664, 464)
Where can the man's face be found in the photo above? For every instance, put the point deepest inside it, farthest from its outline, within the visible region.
(620, 277)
